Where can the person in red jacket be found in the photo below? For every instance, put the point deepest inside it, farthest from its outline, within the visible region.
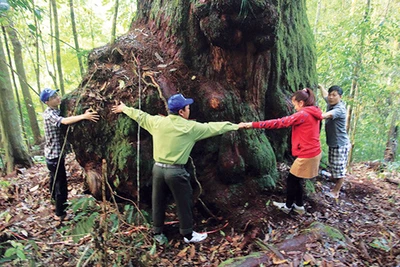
(306, 146)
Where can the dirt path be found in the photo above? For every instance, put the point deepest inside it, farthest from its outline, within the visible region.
(361, 228)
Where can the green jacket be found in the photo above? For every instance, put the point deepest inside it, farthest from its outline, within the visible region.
(174, 136)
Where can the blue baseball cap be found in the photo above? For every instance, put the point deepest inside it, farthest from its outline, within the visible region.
(177, 102)
(46, 94)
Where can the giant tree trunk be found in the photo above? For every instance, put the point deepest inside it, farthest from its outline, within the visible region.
(239, 60)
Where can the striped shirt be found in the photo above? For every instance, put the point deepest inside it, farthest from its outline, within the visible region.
(52, 132)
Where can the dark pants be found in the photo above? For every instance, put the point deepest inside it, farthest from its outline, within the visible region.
(294, 191)
(58, 184)
(176, 180)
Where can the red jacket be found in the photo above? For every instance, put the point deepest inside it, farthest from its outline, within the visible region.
(305, 130)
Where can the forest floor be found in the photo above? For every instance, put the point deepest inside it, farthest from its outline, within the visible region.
(361, 228)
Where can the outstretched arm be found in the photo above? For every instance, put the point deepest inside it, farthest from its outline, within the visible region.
(323, 91)
(88, 115)
(245, 125)
(283, 122)
(119, 108)
(327, 115)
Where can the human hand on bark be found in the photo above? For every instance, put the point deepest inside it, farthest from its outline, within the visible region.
(245, 125)
(118, 108)
(91, 115)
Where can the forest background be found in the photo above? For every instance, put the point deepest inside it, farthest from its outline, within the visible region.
(356, 41)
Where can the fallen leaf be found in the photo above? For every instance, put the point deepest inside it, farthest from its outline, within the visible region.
(183, 252)
(34, 188)
(192, 251)
(275, 260)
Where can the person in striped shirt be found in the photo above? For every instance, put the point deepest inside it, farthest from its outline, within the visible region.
(53, 147)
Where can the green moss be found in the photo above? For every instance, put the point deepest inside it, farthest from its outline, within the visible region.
(294, 54)
(121, 153)
(327, 230)
(121, 149)
(171, 12)
(241, 261)
(309, 187)
(125, 127)
(260, 158)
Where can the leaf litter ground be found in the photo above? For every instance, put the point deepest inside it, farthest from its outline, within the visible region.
(361, 228)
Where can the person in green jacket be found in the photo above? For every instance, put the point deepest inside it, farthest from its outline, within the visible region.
(173, 139)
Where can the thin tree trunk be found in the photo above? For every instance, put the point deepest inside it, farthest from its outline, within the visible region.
(58, 48)
(353, 7)
(21, 118)
(92, 35)
(36, 65)
(317, 18)
(355, 90)
(3, 171)
(53, 61)
(19, 64)
(391, 144)
(15, 150)
(75, 33)
(114, 22)
(386, 12)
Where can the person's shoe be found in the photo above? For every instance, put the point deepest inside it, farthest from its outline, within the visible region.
(196, 237)
(332, 195)
(161, 239)
(65, 217)
(282, 206)
(299, 209)
(325, 174)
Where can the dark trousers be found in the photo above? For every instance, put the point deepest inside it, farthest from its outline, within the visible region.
(176, 180)
(294, 191)
(58, 184)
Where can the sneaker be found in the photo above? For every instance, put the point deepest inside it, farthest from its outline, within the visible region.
(326, 174)
(161, 239)
(196, 237)
(282, 206)
(299, 209)
(65, 217)
(332, 195)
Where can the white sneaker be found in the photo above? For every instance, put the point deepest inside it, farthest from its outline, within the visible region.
(282, 206)
(196, 237)
(299, 209)
(325, 174)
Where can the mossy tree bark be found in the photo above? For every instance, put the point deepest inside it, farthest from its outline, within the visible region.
(239, 60)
